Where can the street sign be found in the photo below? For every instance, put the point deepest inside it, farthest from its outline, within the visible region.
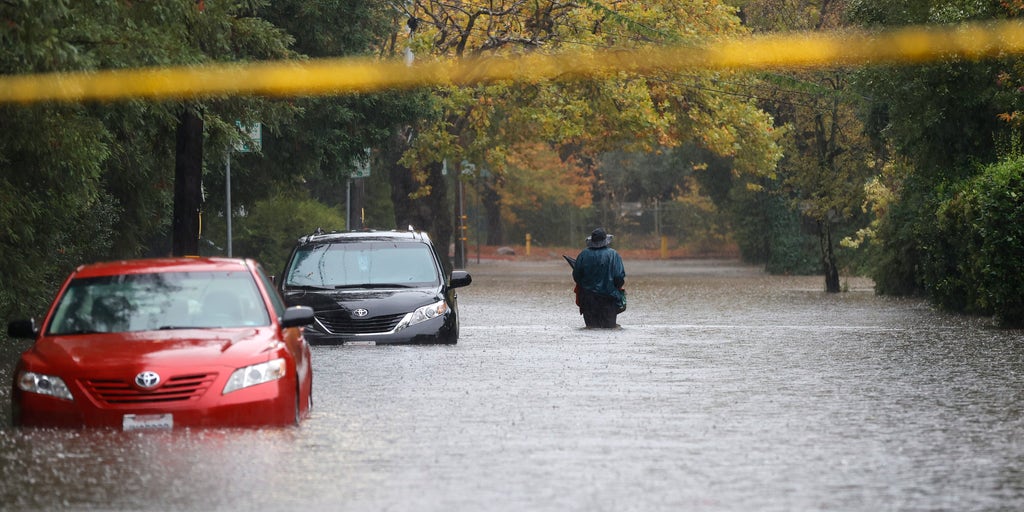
(253, 137)
(361, 165)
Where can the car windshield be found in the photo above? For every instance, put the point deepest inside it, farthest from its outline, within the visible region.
(163, 300)
(362, 264)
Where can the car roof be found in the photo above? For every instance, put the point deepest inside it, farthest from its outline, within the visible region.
(365, 235)
(151, 265)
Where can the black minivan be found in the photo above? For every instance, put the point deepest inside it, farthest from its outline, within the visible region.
(373, 288)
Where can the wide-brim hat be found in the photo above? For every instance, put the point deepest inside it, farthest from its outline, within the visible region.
(599, 238)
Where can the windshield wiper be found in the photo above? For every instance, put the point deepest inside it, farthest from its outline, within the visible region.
(307, 287)
(372, 285)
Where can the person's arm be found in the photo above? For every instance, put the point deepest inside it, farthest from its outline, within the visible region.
(619, 272)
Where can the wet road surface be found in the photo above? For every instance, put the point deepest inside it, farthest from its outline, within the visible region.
(724, 389)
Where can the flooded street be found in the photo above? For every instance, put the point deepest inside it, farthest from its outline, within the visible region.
(724, 390)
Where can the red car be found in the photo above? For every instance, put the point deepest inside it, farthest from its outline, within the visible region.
(162, 344)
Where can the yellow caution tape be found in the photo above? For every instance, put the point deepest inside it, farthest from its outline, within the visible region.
(353, 75)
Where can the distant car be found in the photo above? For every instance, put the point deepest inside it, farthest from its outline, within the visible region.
(162, 344)
(373, 287)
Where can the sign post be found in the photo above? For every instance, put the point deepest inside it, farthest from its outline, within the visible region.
(361, 165)
(253, 142)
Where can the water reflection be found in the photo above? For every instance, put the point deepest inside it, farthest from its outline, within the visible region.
(724, 390)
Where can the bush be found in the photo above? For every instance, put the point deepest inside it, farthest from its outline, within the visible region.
(35, 266)
(975, 265)
(998, 217)
(897, 253)
(769, 232)
(269, 229)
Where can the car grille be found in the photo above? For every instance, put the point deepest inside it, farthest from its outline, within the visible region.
(175, 389)
(338, 322)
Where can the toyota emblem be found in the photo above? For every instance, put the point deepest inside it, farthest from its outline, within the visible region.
(360, 312)
(147, 380)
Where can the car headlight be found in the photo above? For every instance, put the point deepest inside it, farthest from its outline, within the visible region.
(423, 314)
(255, 374)
(51, 385)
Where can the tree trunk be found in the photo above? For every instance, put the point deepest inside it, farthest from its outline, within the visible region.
(430, 213)
(828, 258)
(188, 181)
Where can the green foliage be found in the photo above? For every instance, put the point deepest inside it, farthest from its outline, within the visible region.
(86, 182)
(769, 232)
(897, 246)
(50, 171)
(946, 120)
(975, 262)
(874, 13)
(658, 193)
(947, 272)
(316, 149)
(379, 212)
(585, 119)
(268, 231)
(331, 28)
(32, 37)
(52, 205)
(693, 222)
(827, 160)
(941, 117)
(35, 265)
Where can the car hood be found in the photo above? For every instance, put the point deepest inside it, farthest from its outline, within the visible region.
(198, 347)
(379, 302)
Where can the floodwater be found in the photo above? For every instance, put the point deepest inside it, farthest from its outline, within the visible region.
(724, 390)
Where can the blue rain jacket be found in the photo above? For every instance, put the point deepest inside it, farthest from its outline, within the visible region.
(600, 270)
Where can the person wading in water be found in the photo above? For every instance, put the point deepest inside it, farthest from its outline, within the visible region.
(599, 276)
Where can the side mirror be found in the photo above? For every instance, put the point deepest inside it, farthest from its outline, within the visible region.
(460, 278)
(297, 316)
(22, 329)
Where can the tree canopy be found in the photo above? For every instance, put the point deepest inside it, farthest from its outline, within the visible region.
(796, 159)
(578, 120)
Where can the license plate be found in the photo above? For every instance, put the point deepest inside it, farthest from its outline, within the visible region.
(148, 422)
(361, 343)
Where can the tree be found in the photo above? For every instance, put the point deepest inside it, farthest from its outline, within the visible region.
(313, 152)
(537, 188)
(828, 160)
(53, 204)
(583, 118)
(105, 164)
(827, 171)
(269, 232)
(940, 121)
(226, 33)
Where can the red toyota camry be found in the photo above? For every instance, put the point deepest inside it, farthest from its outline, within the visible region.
(162, 344)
